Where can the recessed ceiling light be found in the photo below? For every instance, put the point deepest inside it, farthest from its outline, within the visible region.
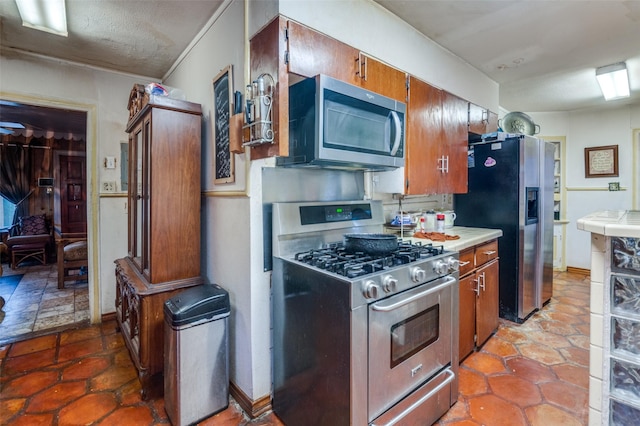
(44, 15)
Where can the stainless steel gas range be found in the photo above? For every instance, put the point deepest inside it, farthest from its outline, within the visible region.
(359, 339)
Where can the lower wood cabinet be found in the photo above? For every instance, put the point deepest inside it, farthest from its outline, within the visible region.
(140, 316)
(479, 297)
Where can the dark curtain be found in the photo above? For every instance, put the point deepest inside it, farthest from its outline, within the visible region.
(15, 169)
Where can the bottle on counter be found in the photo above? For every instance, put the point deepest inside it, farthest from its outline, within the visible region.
(421, 225)
(430, 221)
(440, 222)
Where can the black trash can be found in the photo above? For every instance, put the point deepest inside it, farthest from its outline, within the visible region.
(196, 353)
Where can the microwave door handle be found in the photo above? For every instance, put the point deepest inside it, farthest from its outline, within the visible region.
(396, 123)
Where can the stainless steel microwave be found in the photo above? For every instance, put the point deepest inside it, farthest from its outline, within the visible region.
(338, 125)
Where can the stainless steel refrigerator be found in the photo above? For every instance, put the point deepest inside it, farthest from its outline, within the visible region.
(511, 188)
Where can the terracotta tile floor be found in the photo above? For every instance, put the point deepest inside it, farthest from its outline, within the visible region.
(536, 373)
(530, 374)
(37, 306)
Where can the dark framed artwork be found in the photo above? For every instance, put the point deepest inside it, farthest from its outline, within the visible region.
(601, 161)
(224, 168)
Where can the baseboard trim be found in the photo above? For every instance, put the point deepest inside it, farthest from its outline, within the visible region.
(108, 317)
(581, 271)
(252, 408)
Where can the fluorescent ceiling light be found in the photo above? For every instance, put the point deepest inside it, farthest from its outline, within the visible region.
(11, 124)
(44, 15)
(613, 81)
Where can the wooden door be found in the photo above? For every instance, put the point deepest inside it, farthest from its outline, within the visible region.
(73, 195)
(467, 314)
(311, 53)
(487, 302)
(477, 117)
(424, 133)
(492, 124)
(455, 145)
(381, 78)
(481, 120)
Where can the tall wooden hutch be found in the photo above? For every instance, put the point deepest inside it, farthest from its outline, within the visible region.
(164, 223)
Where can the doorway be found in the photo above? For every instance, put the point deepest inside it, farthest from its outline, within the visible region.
(635, 184)
(70, 130)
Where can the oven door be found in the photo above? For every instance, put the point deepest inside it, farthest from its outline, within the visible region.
(409, 341)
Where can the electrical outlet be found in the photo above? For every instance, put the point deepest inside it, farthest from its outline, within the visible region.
(109, 186)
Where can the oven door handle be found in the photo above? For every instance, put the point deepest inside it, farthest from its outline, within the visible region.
(382, 308)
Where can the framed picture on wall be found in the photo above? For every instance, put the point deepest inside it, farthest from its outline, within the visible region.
(601, 161)
(220, 118)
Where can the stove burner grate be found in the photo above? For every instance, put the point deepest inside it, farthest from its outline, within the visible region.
(334, 258)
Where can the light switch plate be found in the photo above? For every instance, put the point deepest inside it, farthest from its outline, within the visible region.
(110, 162)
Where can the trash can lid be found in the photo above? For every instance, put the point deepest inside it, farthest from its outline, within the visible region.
(206, 301)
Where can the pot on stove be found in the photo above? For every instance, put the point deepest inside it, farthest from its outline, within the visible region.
(374, 244)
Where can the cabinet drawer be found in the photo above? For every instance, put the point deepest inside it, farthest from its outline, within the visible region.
(466, 261)
(486, 252)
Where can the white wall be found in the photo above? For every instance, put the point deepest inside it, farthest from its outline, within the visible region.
(610, 126)
(104, 95)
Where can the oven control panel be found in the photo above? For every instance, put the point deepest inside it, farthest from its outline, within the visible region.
(395, 280)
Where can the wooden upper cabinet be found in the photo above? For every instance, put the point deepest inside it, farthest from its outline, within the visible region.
(268, 56)
(424, 133)
(381, 78)
(311, 53)
(436, 161)
(454, 172)
(481, 120)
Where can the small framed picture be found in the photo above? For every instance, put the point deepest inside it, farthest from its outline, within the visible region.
(601, 161)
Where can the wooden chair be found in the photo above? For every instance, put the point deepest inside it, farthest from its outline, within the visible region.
(30, 238)
(72, 257)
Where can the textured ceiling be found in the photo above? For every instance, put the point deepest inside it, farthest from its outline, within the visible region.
(542, 53)
(143, 37)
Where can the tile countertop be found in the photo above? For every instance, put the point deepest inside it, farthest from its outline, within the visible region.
(469, 237)
(612, 223)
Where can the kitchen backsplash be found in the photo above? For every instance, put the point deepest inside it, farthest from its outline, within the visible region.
(414, 204)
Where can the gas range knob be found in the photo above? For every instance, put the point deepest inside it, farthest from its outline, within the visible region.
(418, 275)
(440, 267)
(453, 263)
(370, 289)
(389, 284)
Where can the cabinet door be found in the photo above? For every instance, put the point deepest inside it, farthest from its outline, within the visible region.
(467, 314)
(135, 195)
(379, 77)
(437, 141)
(492, 124)
(312, 53)
(454, 173)
(424, 132)
(481, 120)
(487, 301)
(477, 117)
